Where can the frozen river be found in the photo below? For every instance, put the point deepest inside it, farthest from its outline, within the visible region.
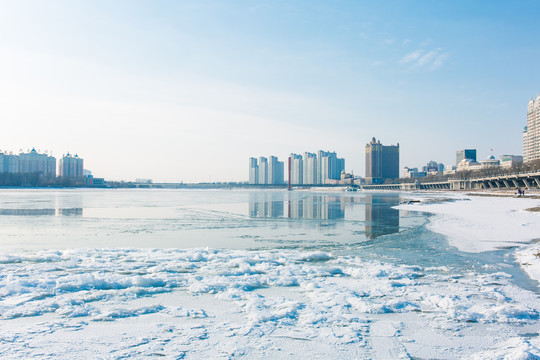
(186, 219)
(225, 274)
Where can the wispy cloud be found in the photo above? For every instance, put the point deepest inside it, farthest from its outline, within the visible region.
(430, 60)
(411, 57)
(439, 60)
(426, 42)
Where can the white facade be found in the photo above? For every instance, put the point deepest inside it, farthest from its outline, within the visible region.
(275, 171)
(297, 169)
(329, 166)
(70, 166)
(490, 162)
(253, 171)
(310, 169)
(33, 162)
(468, 164)
(269, 171)
(410, 173)
(263, 170)
(531, 135)
(509, 161)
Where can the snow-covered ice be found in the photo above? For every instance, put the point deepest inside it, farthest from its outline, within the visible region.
(205, 303)
(476, 224)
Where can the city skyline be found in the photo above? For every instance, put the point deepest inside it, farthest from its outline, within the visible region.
(43, 163)
(161, 87)
(324, 167)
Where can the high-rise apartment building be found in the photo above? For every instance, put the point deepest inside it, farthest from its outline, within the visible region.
(253, 171)
(531, 133)
(70, 166)
(433, 166)
(268, 171)
(9, 163)
(34, 162)
(276, 171)
(297, 169)
(382, 162)
(465, 154)
(310, 169)
(263, 171)
(329, 166)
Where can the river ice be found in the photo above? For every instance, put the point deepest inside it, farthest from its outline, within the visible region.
(377, 298)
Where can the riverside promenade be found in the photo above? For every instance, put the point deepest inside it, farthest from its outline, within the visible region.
(524, 180)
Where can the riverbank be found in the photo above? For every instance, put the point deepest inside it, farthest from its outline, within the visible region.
(485, 223)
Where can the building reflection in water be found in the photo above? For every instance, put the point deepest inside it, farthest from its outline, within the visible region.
(265, 208)
(42, 212)
(312, 207)
(381, 219)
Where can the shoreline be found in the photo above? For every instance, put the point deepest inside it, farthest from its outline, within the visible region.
(486, 222)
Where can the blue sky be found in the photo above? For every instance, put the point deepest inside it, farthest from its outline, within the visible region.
(189, 90)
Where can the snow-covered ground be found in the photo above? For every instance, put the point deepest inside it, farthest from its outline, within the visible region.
(476, 224)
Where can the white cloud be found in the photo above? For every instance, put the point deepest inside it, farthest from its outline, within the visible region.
(430, 60)
(439, 60)
(411, 57)
(427, 58)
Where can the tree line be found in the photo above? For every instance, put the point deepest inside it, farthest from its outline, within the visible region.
(37, 179)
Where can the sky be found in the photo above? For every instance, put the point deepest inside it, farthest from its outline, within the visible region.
(189, 90)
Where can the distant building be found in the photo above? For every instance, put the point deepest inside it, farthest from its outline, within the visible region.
(329, 166)
(468, 164)
(450, 170)
(509, 161)
(70, 166)
(92, 181)
(490, 162)
(34, 162)
(309, 169)
(465, 154)
(268, 171)
(297, 169)
(276, 171)
(382, 162)
(9, 163)
(531, 133)
(410, 173)
(253, 171)
(346, 178)
(263, 171)
(143, 181)
(433, 167)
